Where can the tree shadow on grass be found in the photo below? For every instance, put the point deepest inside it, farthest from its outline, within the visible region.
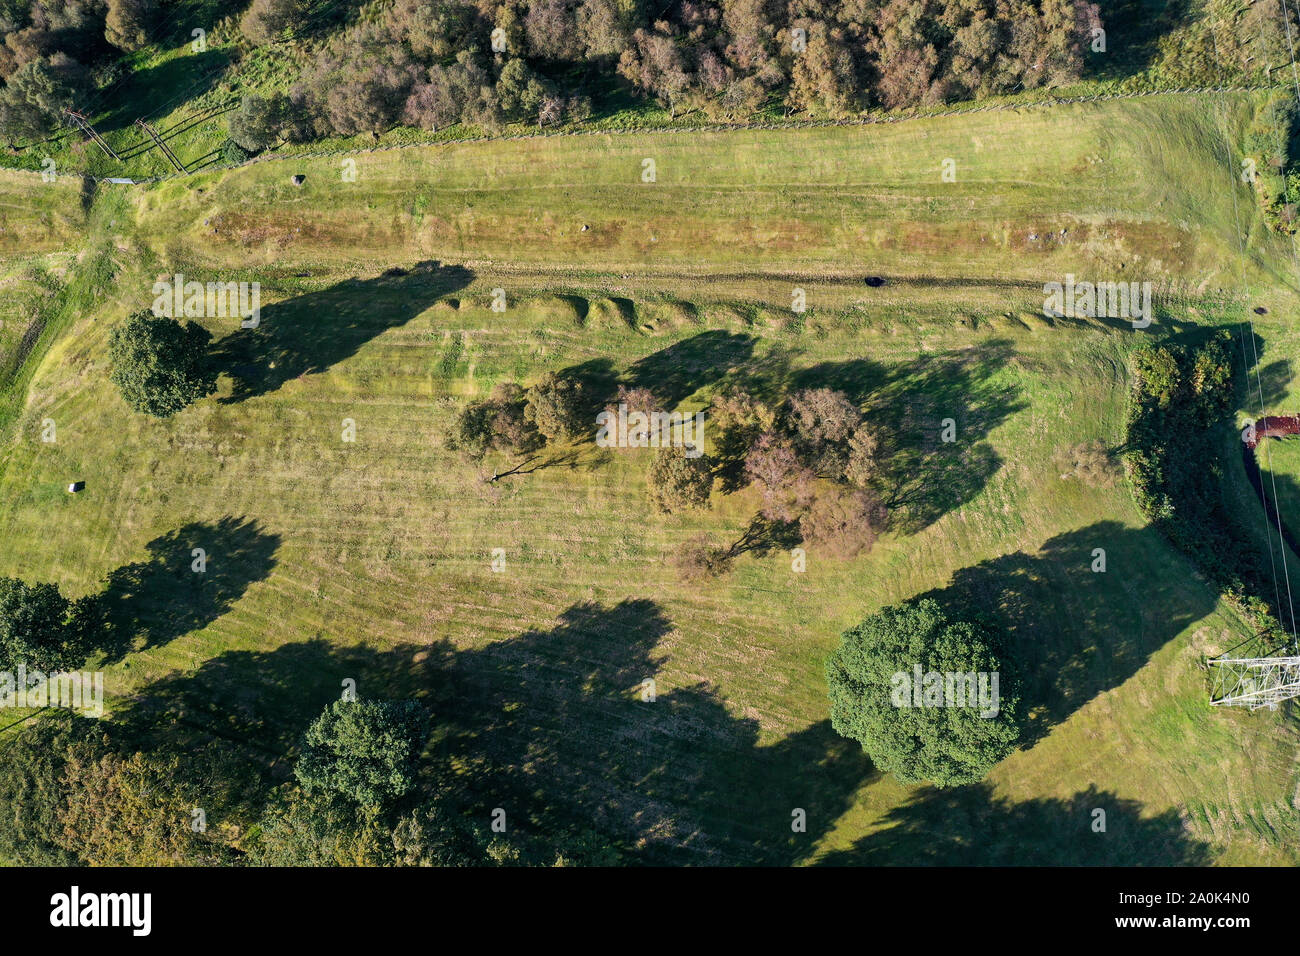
(971, 826)
(1273, 384)
(764, 535)
(672, 373)
(150, 91)
(599, 380)
(1279, 496)
(552, 726)
(924, 477)
(939, 411)
(1076, 633)
(310, 333)
(676, 372)
(152, 602)
(1133, 32)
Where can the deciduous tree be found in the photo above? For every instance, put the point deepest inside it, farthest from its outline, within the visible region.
(677, 482)
(160, 365)
(364, 751)
(870, 677)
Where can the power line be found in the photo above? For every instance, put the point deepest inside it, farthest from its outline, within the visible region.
(1260, 681)
(1247, 363)
(1259, 381)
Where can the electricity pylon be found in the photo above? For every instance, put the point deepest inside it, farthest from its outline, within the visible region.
(1255, 682)
(79, 120)
(162, 145)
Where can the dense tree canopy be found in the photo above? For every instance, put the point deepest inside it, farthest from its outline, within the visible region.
(364, 751)
(126, 25)
(39, 628)
(496, 423)
(33, 100)
(678, 482)
(81, 791)
(265, 20)
(48, 49)
(160, 365)
(74, 795)
(557, 407)
(257, 122)
(430, 63)
(944, 731)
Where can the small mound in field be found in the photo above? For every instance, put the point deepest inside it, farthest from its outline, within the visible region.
(1260, 310)
(668, 316)
(559, 309)
(612, 313)
(763, 317)
(724, 316)
(1007, 320)
(874, 281)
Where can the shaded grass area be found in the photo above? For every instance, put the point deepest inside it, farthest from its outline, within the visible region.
(307, 334)
(973, 826)
(676, 779)
(1109, 639)
(175, 591)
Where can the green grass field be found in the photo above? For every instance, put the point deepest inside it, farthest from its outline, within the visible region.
(372, 559)
(38, 216)
(818, 203)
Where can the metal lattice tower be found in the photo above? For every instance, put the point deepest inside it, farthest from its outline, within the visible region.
(162, 145)
(1255, 682)
(78, 120)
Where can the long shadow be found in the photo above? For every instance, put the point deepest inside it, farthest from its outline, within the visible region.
(183, 126)
(1133, 32)
(152, 602)
(675, 372)
(939, 411)
(187, 123)
(149, 91)
(599, 380)
(1076, 632)
(763, 535)
(184, 15)
(310, 333)
(260, 701)
(1276, 497)
(1274, 383)
(554, 727)
(677, 777)
(970, 826)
